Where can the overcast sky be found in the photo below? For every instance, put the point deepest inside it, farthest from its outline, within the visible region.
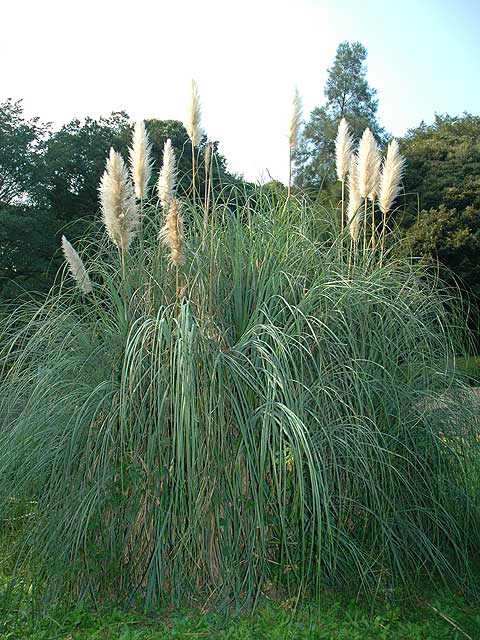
(71, 58)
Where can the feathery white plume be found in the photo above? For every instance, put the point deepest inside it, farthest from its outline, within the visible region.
(207, 154)
(119, 208)
(194, 129)
(392, 174)
(368, 164)
(171, 233)
(343, 149)
(76, 267)
(295, 120)
(140, 160)
(167, 177)
(376, 165)
(354, 214)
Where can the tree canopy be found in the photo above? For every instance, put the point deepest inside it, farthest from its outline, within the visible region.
(21, 148)
(441, 213)
(443, 165)
(348, 95)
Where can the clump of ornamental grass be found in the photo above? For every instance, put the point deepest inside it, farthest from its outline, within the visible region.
(283, 423)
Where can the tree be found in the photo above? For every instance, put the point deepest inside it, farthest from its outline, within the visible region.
(441, 212)
(29, 255)
(348, 95)
(443, 165)
(21, 147)
(75, 160)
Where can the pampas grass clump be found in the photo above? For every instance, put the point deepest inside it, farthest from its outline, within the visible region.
(269, 416)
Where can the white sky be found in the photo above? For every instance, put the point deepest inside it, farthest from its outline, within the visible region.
(72, 58)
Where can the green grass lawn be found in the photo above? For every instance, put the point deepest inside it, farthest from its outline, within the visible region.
(442, 617)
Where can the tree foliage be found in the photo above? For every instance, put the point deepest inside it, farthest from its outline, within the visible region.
(28, 249)
(75, 160)
(442, 186)
(454, 238)
(443, 165)
(21, 148)
(348, 95)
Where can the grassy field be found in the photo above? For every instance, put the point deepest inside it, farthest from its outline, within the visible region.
(441, 617)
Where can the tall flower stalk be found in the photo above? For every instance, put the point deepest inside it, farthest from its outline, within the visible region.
(294, 132)
(76, 267)
(393, 169)
(193, 127)
(168, 176)
(372, 196)
(343, 153)
(140, 160)
(171, 234)
(367, 173)
(208, 164)
(354, 200)
(354, 216)
(120, 212)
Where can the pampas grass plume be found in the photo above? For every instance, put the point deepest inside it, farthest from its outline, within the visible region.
(354, 215)
(194, 129)
(140, 160)
(368, 164)
(76, 267)
(343, 149)
(376, 165)
(119, 208)
(295, 120)
(171, 233)
(167, 177)
(392, 173)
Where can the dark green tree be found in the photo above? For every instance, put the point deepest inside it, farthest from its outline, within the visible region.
(21, 148)
(29, 255)
(441, 207)
(443, 165)
(452, 237)
(75, 160)
(348, 95)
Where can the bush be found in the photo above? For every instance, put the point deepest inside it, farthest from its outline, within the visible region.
(267, 414)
